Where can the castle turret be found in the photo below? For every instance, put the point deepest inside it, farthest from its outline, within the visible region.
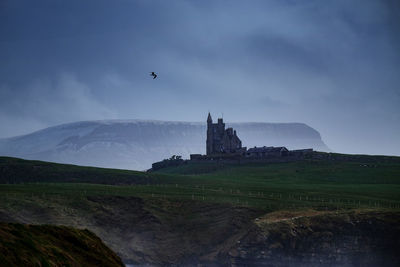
(210, 135)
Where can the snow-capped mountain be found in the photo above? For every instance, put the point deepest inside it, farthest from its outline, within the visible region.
(136, 144)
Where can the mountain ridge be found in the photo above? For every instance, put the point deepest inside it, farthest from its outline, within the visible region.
(135, 144)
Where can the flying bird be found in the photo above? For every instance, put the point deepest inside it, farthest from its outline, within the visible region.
(153, 74)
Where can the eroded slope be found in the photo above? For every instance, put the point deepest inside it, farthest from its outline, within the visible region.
(46, 245)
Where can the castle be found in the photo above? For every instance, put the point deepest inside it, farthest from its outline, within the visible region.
(225, 146)
(221, 140)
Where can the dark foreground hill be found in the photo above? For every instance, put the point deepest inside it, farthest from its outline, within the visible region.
(136, 144)
(46, 245)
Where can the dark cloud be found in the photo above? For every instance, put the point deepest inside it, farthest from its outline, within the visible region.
(334, 65)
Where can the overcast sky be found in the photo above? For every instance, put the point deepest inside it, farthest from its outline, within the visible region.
(334, 65)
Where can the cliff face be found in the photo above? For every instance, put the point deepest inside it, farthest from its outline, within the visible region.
(346, 239)
(188, 233)
(46, 245)
(137, 144)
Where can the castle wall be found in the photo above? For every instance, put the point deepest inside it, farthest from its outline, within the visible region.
(220, 140)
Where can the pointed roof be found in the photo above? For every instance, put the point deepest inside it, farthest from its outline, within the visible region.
(209, 117)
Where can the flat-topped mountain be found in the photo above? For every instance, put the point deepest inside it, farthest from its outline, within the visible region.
(136, 144)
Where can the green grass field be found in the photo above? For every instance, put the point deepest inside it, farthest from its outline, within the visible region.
(296, 185)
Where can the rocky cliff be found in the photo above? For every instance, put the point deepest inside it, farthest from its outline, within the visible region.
(191, 233)
(368, 238)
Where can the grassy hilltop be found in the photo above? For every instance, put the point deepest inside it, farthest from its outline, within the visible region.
(370, 182)
(199, 211)
(14, 171)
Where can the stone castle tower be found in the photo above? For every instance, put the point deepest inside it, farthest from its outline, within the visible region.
(220, 140)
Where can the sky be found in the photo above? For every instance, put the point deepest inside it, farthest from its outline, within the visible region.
(334, 65)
